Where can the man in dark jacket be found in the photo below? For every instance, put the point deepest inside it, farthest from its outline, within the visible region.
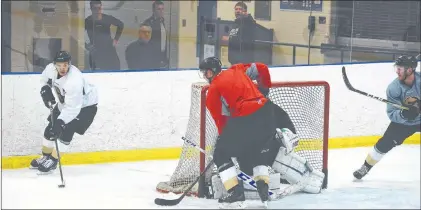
(138, 53)
(102, 49)
(159, 33)
(241, 36)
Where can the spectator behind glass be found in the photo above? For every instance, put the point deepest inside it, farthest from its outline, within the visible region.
(159, 34)
(103, 55)
(241, 36)
(138, 53)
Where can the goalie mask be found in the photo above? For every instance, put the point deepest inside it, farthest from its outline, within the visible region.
(209, 68)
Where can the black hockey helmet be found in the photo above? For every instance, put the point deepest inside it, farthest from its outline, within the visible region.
(62, 56)
(407, 62)
(211, 63)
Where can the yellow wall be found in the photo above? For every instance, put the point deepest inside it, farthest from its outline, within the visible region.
(289, 27)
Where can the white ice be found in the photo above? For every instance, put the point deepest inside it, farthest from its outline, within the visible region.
(393, 183)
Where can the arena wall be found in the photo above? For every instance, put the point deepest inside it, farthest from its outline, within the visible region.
(142, 115)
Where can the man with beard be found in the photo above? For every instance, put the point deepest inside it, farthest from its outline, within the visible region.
(241, 36)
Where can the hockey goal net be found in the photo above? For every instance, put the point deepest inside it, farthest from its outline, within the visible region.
(307, 104)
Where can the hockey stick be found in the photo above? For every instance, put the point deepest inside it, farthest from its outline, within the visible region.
(243, 176)
(349, 86)
(167, 202)
(62, 185)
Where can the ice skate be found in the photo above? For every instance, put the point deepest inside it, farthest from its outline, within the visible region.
(35, 163)
(48, 166)
(235, 198)
(360, 173)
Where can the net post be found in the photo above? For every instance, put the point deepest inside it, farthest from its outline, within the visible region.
(201, 184)
(326, 134)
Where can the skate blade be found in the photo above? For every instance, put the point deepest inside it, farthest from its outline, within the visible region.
(45, 173)
(235, 205)
(357, 180)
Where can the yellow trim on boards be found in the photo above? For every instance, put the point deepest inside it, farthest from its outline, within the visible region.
(15, 162)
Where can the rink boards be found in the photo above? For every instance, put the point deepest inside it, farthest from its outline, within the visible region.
(142, 115)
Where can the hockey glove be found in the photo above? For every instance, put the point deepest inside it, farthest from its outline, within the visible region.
(56, 113)
(47, 96)
(57, 129)
(410, 114)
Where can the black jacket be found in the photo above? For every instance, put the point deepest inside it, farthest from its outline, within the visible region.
(139, 57)
(241, 37)
(155, 24)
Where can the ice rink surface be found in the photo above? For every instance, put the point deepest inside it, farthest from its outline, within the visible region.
(394, 183)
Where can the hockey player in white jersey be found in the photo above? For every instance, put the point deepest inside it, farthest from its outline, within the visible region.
(74, 111)
(403, 90)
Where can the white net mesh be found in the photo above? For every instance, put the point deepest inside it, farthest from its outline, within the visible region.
(303, 101)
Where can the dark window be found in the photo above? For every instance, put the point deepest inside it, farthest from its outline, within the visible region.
(262, 10)
(383, 20)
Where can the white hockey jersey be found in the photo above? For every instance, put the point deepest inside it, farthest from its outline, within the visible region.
(72, 91)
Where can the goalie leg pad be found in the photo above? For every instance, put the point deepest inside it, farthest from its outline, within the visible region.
(294, 169)
(291, 166)
(314, 182)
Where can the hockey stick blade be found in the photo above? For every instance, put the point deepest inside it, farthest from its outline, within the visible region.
(173, 202)
(349, 86)
(164, 202)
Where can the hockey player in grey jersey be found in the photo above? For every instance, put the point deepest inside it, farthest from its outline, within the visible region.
(403, 90)
(74, 112)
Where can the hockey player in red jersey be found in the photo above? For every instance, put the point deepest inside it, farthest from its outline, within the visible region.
(245, 123)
